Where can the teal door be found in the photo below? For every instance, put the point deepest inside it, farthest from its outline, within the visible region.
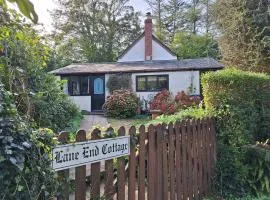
(98, 92)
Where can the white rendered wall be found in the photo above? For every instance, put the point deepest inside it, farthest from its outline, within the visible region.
(137, 52)
(159, 53)
(178, 81)
(83, 102)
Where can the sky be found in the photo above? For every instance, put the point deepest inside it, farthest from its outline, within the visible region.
(43, 7)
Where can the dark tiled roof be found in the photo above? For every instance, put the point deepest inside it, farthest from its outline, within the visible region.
(144, 66)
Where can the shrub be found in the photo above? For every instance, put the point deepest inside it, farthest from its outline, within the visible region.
(258, 160)
(118, 82)
(121, 104)
(189, 113)
(25, 162)
(240, 102)
(164, 102)
(51, 107)
(183, 100)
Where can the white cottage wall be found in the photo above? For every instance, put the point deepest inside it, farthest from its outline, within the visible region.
(137, 52)
(159, 53)
(83, 102)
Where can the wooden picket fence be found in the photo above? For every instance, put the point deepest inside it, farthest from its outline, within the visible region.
(174, 161)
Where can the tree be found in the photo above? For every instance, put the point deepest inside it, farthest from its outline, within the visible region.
(157, 7)
(174, 17)
(38, 94)
(188, 45)
(244, 28)
(96, 30)
(25, 6)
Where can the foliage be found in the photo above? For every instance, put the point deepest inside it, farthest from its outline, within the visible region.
(187, 45)
(244, 26)
(25, 161)
(258, 160)
(94, 31)
(240, 102)
(173, 16)
(244, 198)
(183, 100)
(25, 6)
(121, 104)
(52, 108)
(118, 82)
(164, 102)
(189, 113)
(23, 70)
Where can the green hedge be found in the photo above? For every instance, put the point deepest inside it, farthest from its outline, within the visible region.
(240, 102)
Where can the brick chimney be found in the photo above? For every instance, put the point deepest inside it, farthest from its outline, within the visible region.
(148, 36)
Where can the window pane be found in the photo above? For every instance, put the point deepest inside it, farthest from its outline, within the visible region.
(141, 83)
(84, 85)
(74, 86)
(152, 83)
(163, 82)
(98, 86)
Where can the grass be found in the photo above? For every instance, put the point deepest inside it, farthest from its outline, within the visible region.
(127, 123)
(189, 113)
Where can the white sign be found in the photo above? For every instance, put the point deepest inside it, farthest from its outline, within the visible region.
(82, 153)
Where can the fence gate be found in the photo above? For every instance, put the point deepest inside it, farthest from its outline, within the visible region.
(174, 161)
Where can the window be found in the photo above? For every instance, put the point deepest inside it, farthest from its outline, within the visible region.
(78, 85)
(152, 83)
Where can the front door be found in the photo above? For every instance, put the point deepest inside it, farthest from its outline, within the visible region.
(98, 92)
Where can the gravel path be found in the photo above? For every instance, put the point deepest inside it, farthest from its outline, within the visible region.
(93, 120)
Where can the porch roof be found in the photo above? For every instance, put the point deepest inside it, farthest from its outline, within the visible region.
(136, 67)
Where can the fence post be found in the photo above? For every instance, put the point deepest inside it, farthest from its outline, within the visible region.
(165, 171)
(63, 139)
(121, 171)
(109, 187)
(172, 160)
(185, 163)
(80, 172)
(178, 159)
(152, 163)
(132, 166)
(141, 182)
(95, 171)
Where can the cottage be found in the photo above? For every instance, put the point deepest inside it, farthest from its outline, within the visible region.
(152, 65)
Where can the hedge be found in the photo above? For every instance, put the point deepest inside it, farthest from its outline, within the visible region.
(243, 102)
(240, 102)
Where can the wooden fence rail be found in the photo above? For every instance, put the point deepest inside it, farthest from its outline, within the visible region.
(174, 161)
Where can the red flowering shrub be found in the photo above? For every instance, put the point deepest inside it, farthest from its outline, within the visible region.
(183, 100)
(121, 104)
(164, 102)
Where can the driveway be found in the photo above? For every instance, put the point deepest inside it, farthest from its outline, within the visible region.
(93, 120)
